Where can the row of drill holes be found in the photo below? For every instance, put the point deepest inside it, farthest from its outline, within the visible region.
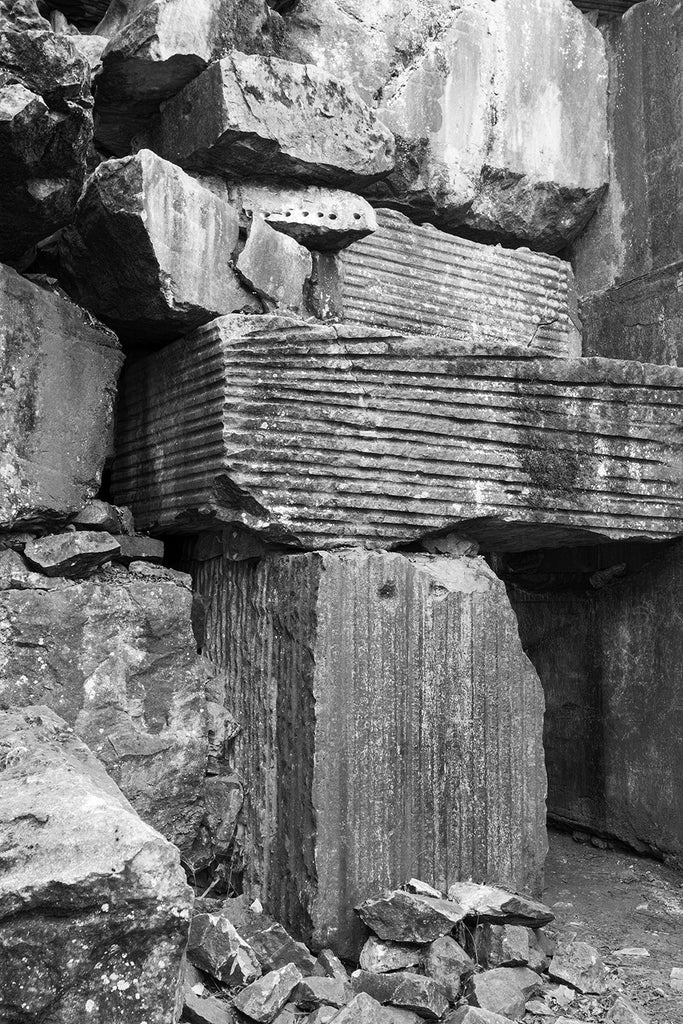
(331, 216)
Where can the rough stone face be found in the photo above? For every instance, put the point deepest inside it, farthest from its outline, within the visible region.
(579, 965)
(74, 554)
(405, 990)
(274, 267)
(215, 947)
(206, 1009)
(58, 373)
(448, 964)
(85, 882)
(504, 945)
(222, 799)
(263, 999)
(419, 280)
(45, 131)
(378, 955)
(313, 992)
(115, 657)
(500, 123)
(350, 689)
(155, 48)
(611, 768)
(100, 515)
(504, 990)
(323, 219)
(494, 905)
(319, 436)
(364, 1010)
(246, 112)
(85, 14)
(475, 1015)
(400, 916)
(150, 250)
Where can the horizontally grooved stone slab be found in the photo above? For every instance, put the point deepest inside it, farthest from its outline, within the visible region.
(319, 436)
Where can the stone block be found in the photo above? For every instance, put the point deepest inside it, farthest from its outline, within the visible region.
(329, 435)
(418, 280)
(59, 374)
(291, 121)
(323, 219)
(155, 48)
(115, 657)
(337, 661)
(274, 267)
(611, 768)
(46, 129)
(150, 250)
(88, 891)
(75, 554)
(404, 990)
(533, 172)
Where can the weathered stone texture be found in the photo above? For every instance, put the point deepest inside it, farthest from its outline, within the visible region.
(613, 732)
(274, 267)
(319, 436)
(337, 661)
(88, 892)
(45, 131)
(150, 250)
(156, 48)
(58, 373)
(115, 657)
(252, 113)
(419, 280)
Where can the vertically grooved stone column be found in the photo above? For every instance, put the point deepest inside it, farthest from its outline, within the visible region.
(392, 726)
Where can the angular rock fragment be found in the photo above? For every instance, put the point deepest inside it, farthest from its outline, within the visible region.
(150, 250)
(624, 1012)
(75, 555)
(415, 885)
(56, 416)
(419, 280)
(579, 965)
(263, 999)
(400, 439)
(206, 1009)
(475, 1015)
(363, 1009)
(338, 617)
(247, 113)
(314, 992)
(274, 267)
(45, 132)
(405, 990)
(100, 515)
(133, 549)
(215, 947)
(324, 219)
(325, 1014)
(504, 945)
(405, 917)
(448, 964)
(98, 652)
(534, 173)
(489, 903)
(503, 990)
(331, 966)
(378, 956)
(222, 799)
(155, 49)
(84, 882)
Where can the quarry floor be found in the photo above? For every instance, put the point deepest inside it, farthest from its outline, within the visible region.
(616, 900)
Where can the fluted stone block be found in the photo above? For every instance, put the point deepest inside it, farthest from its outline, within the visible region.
(58, 385)
(155, 47)
(614, 721)
(419, 280)
(150, 250)
(391, 728)
(318, 436)
(249, 114)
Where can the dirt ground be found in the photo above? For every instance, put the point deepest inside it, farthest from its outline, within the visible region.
(616, 900)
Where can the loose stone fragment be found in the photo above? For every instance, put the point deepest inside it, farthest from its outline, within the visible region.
(150, 250)
(475, 1015)
(405, 917)
(215, 947)
(319, 218)
(418, 280)
(489, 903)
(624, 1012)
(98, 515)
(448, 964)
(676, 979)
(323, 1015)
(275, 267)
(503, 990)
(206, 1009)
(378, 956)
(579, 965)
(45, 132)
(56, 417)
(501, 945)
(251, 112)
(335, 616)
(331, 966)
(155, 49)
(363, 1009)
(314, 992)
(422, 888)
(84, 882)
(405, 990)
(263, 999)
(133, 549)
(75, 554)
(222, 799)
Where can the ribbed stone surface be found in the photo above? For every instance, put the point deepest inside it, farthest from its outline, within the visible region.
(614, 721)
(319, 436)
(420, 280)
(605, 6)
(58, 373)
(391, 728)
